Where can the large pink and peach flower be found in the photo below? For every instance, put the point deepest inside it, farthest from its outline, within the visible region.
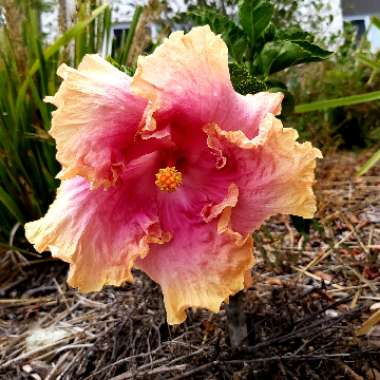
(170, 172)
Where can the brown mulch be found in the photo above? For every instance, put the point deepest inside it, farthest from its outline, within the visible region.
(311, 311)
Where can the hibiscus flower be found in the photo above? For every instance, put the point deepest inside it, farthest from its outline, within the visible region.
(169, 171)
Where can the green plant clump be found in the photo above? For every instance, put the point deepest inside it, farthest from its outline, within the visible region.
(258, 47)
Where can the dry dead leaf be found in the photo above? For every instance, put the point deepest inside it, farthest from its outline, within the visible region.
(375, 306)
(273, 281)
(324, 276)
(369, 323)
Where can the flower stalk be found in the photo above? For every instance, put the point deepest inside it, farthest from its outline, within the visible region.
(236, 320)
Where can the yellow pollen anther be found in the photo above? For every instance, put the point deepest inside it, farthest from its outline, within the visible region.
(168, 179)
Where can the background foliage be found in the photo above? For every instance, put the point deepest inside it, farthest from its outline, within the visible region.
(258, 46)
(28, 165)
(346, 74)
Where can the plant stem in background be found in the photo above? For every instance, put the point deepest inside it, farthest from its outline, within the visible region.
(138, 38)
(15, 17)
(236, 320)
(64, 22)
(62, 16)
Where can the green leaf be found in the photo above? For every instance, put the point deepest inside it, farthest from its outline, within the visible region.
(279, 55)
(338, 102)
(375, 65)
(294, 33)
(131, 33)
(255, 16)
(375, 21)
(369, 164)
(237, 47)
(128, 70)
(11, 205)
(231, 33)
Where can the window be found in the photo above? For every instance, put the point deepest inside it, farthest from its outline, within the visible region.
(360, 27)
(362, 23)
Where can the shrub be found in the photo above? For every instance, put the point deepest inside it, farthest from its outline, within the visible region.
(345, 74)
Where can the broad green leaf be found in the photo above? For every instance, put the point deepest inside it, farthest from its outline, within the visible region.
(254, 17)
(279, 55)
(316, 51)
(294, 34)
(237, 47)
(338, 102)
(370, 163)
(270, 33)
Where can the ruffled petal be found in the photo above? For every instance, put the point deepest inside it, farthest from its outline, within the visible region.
(187, 83)
(206, 261)
(96, 120)
(99, 232)
(274, 172)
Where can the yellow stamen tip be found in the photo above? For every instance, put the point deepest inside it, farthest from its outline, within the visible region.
(168, 179)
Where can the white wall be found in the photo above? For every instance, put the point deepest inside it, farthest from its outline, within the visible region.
(49, 24)
(49, 19)
(122, 10)
(374, 37)
(373, 32)
(326, 28)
